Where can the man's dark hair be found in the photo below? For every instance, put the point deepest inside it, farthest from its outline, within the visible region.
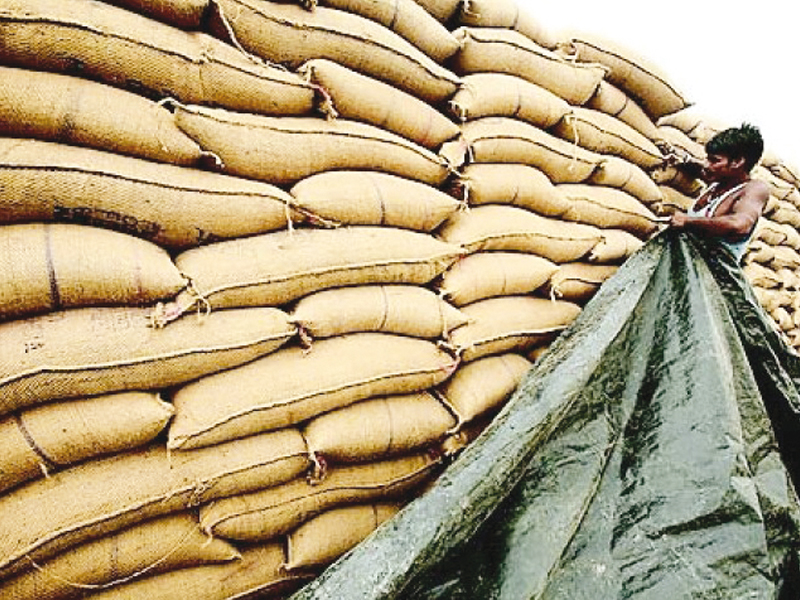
(738, 142)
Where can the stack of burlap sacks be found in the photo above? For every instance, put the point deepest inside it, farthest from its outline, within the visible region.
(266, 267)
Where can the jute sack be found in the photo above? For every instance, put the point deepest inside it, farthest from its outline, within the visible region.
(776, 234)
(442, 10)
(184, 14)
(102, 496)
(408, 20)
(483, 385)
(510, 324)
(785, 257)
(486, 274)
(355, 96)
(518, 185)
(60, 108)
(673, 200)
(678, 179)
(53, 266)
(769, 299)
(762, 276)
(678, 143)
(790, 280)
(605, 134)
(174, 207)
(371, 198)
(283, 150)
(501, 95)
(276, 268)
(578, 282)
(782, 318)
(336, 372)
(635, 75)
(697, 126)
(498, 227)
(259, 573)
(155, 546)
(786, 213)
(622, 174)
(613, 101)
(758, 251)
(119, 47)
(401, 309)
(326, 537)
(505, 14)
(497, 50)
(91, 351)
(616, 246)
(779, 188)
(42, 440)
(506, 140)
(286, 34)
(272, 512)
(779, 168)
(378, 428)
(607, 208)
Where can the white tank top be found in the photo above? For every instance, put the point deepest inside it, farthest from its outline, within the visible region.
(736, 247)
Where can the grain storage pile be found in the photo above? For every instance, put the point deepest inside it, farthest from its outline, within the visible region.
(267, 266)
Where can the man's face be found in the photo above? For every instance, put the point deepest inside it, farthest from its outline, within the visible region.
(718, 167)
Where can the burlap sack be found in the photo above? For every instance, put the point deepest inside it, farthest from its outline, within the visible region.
(790, 280)
(102, 496)
(483, 385)
(335, 372)
(518, 185)
(60, 108)
(156, 546)
(671, 175)
(486, 274)
(782, 318)
(606, 134)
(53, 266)
(185, 14)
(286, 34)
(442, 10)
(324, 538)
(632, 73)
(401, 309)
(498, 227)
(697, 126)
(758, 251)
(505, 14)
(501, 95)
(500, 50)
(785, 213)
(91, 351)
(276, 268)
(578, 282)
(174, 207)
(378, 428)
(622, 174)
(616, 246)
(122, 48)
(613, 101)
(335, 198)
(785, 257)
(354, 96)
(283, 150)
(510, 324)
(776, 234)
(259, 573)
(607, 208)
(672, 200)
(506, 140)
(789, 173)
(48, 438)
(675, 141)
(769, 299)
(779, 188)
(272, 512)
(762, 276)
(408, 20)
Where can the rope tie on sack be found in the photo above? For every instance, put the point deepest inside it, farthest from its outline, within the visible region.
(117, 580)
(46, 462)
(575, 141)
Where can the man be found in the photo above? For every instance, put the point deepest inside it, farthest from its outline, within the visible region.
(730, 206)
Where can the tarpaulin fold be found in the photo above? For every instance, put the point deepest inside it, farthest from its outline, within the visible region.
(636, 461)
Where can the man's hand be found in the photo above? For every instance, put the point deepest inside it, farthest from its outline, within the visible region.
(678, 220)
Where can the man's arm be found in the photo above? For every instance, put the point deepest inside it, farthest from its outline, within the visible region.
(737, 223)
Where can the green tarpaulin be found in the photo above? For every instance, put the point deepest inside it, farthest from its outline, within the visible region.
(636, 461)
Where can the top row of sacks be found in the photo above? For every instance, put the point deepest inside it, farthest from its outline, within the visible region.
(248, 61)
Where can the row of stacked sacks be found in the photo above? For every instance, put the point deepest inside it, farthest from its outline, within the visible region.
(772, 260)
(268, 266)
